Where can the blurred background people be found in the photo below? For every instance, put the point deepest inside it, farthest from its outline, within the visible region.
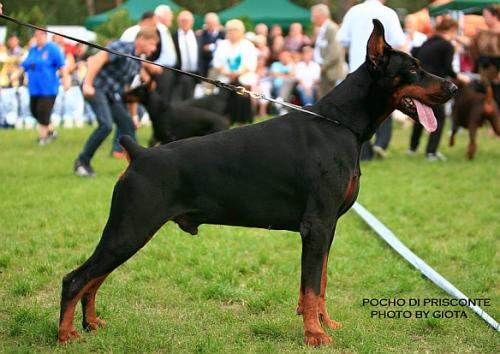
(107, 76)
(211, 33)
(69, 105)
(42, 64)
(283, 74)
(354, 34)
(436, 57)
(308, 76)
(414, 38)
(165, 79)
(296, 39)
(328, 52)
(235, 60)
(189, 52)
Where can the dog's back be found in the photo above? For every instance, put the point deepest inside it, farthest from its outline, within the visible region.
(182, 120)
(474, 104)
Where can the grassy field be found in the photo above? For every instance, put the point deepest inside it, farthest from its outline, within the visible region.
(234, 290)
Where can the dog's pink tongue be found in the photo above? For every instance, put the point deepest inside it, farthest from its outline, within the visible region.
(426, 116)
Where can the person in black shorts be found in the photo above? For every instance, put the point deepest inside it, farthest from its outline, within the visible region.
(42, 64)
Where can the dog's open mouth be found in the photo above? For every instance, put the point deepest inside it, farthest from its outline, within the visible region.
(417, 109)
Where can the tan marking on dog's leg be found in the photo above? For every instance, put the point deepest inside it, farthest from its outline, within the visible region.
(323, 312)
(93, 322)
(66, 329)
(314, 334)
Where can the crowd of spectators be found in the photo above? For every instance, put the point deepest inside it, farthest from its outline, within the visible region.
(289, 64)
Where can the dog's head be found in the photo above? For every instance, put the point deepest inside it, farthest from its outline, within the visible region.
(413, 90)
(139, 93)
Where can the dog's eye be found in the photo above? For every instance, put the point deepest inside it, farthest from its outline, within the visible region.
(413, 72)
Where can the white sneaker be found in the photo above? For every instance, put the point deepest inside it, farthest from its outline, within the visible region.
(435, 157)
(379, 152)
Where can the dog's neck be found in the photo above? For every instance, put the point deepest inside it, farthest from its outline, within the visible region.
(154, 104)
(358, 103)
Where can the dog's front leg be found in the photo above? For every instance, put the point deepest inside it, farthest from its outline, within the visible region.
(316, 239)
(323, 312)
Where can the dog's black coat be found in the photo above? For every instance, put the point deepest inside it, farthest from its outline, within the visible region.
(296, 172)
(196, 117)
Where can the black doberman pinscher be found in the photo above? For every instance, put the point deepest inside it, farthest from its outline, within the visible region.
(182, 120)
(296, 172)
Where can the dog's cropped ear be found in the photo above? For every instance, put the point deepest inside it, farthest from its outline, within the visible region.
(377, 47)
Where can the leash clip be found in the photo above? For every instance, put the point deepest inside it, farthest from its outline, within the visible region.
(240, 90)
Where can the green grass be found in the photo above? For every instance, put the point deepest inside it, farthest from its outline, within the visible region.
(234, 290)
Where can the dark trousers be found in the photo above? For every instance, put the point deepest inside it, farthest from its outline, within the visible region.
(165, 83)
(382, 138)
(107, 110)
(434, 137)
(184, 88)
(384, 134)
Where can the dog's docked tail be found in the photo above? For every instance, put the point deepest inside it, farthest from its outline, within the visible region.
(132, 149)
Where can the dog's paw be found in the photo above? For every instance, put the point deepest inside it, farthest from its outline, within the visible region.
(95, 324)
(66, 336)
(317, 339)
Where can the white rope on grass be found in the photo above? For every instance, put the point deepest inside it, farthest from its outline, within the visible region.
(418, 263)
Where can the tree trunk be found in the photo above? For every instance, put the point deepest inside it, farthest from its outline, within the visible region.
(91, 7)
(344, 6)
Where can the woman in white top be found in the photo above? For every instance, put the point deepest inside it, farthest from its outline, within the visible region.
(235, 60)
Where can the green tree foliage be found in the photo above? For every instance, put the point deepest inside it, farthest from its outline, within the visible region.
(31, 15)
(114, 27)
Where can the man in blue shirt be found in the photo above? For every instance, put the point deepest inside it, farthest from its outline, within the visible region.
(106, 79)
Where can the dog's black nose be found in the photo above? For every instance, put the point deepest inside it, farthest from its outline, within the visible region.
(451, 87)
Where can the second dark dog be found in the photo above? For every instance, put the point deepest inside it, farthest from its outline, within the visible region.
(474, 105)
(195, 117)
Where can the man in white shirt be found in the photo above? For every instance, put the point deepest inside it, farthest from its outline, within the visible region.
(188, 52)
(165, 79)
(353, 34)
(357, 26)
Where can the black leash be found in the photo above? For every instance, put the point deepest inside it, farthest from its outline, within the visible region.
(240, 90)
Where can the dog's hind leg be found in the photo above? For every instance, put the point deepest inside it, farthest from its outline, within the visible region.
(316, 239)
(471, 150)
(90, 320)
(495, 125)
(138, 210)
